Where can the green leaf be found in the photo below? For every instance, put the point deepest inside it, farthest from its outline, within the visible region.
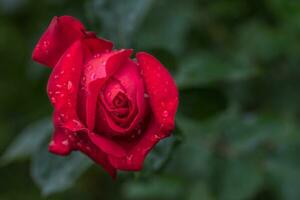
(155, 188)
(201, 68)
(198, 191)
(28, 141)
(194, 154)
(53, 173)
(167, 25)
(159, 157)
(241, 180)
(283, 167)
(119, 19)
(201, 103)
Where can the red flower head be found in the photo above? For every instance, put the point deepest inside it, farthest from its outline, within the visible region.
(106, 105)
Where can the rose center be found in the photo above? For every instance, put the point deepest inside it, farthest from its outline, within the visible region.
(120, 100)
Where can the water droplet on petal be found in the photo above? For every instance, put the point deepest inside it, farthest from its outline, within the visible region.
(56, 77)
(77, 123)
(65, 142)
(88, 148)
(97, 55)
(53, 100)
(146, 95)
(129, 158)
(165, 114)
(156, 136)
(62, 72)
(93, 76)
(69, 85)
(139, 131)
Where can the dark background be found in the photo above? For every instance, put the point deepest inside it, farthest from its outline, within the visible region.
(237, 65)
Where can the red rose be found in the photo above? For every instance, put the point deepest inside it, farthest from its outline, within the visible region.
(106, 105)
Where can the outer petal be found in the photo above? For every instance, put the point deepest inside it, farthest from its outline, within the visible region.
(161, 88)
(96, 73)
(61, 33)
(84, 144)
(97, 46)
(64, 81)
(138, 150)
(107, 145)
(62, 93)
(60, 143)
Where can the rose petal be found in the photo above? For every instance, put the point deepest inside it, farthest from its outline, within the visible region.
(97, 46)
(161, 88)
(107, 145)
(60, 143)
(63, 85)
(93, 48)
(130, 78)
(137, 151)
(97, 71)
(85, 145)
(61, 34)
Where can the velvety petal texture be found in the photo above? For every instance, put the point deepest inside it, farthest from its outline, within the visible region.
(106, 105)
(60, 34)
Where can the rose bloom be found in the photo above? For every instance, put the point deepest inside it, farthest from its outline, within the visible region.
(112, 108)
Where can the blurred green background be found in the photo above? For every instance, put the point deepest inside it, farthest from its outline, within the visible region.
(237, 65)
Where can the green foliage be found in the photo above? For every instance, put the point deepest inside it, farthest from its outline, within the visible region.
(236, 64)
(29, 141)
(53, 173)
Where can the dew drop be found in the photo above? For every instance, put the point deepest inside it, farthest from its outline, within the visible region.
(88, 148)
(156, 136)
(56, 77)
(97, 55)
(139, 131)
(69, 85)
(77, 123)
(129, 158)
(93, 76)
(65, 142)
(165, 113)
(53, 100)
(58, 85)
(146, 95)
(62, 72)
